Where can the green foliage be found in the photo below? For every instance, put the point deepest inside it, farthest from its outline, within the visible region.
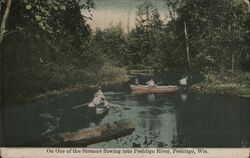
(49, 44)
(111, 73)
(227, 77)
(111, 45)
(218, 34)
(217, 31)
(144, 40)
(45, 42)
(225, 83)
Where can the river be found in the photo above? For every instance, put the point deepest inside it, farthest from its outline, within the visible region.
(162, 120)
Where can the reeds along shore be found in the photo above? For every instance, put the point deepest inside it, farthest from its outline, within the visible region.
(227, 84)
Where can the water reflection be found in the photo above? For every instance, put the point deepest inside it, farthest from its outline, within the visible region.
(161, 120)
(154, 118)
(183, 97)
(213, 121)
(151, 97)
(177, 121)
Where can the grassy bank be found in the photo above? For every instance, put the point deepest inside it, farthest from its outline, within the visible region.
(226, 83)
(58, 79)
(79, 80)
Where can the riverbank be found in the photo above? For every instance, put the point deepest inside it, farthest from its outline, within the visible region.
(76, 88)
(79, 80)
(227, 84)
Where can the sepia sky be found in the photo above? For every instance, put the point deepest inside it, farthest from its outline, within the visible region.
(115, 12)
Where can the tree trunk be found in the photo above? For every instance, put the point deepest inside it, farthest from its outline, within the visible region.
(2, 31)
(233, 63)
(248, 57)
(4, 20)
(97, 134)
(237, 59)
(129, 14)
(187, 44)
(248, 4)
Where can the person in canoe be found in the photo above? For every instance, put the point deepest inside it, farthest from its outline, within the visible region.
(100, 94)
(183, 81)
(99, 102)
(137, 81)
(151, 83)
(99, 99)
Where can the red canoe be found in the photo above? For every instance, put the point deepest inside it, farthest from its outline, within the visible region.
(156, 89)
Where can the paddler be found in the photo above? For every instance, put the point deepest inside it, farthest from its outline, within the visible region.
(136, 81)
(183, 81)
(99, 99)
(151, 83)
(100, 93)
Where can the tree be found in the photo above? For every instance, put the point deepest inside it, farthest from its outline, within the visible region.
(216, 31)
(144, 39)
(4, 20)
(111, 43)
(44, 42)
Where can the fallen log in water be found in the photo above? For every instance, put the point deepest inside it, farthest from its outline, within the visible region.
(97, 134)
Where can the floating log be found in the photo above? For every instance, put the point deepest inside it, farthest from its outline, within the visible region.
(97, 134)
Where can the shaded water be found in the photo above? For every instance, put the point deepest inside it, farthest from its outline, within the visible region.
(162, 120)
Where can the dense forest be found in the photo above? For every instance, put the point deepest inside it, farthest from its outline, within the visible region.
(48, 45)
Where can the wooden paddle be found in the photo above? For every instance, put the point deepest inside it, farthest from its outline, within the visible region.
(158, 83)
(78, 106)
(114, 105)
(150, 87)
(82, 105)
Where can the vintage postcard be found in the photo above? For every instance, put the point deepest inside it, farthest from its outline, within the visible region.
(125, 78)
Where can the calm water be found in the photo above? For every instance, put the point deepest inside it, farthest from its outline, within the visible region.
(163, 120)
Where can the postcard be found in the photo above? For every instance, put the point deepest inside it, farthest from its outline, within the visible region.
(125, 78)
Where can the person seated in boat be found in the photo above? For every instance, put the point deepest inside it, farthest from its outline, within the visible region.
(151, 83)
(98, 100)
(99, 103)
(183, 81)
(137, 81)
(100, 94)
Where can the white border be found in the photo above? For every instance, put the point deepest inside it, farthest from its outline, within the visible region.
(120, 153)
